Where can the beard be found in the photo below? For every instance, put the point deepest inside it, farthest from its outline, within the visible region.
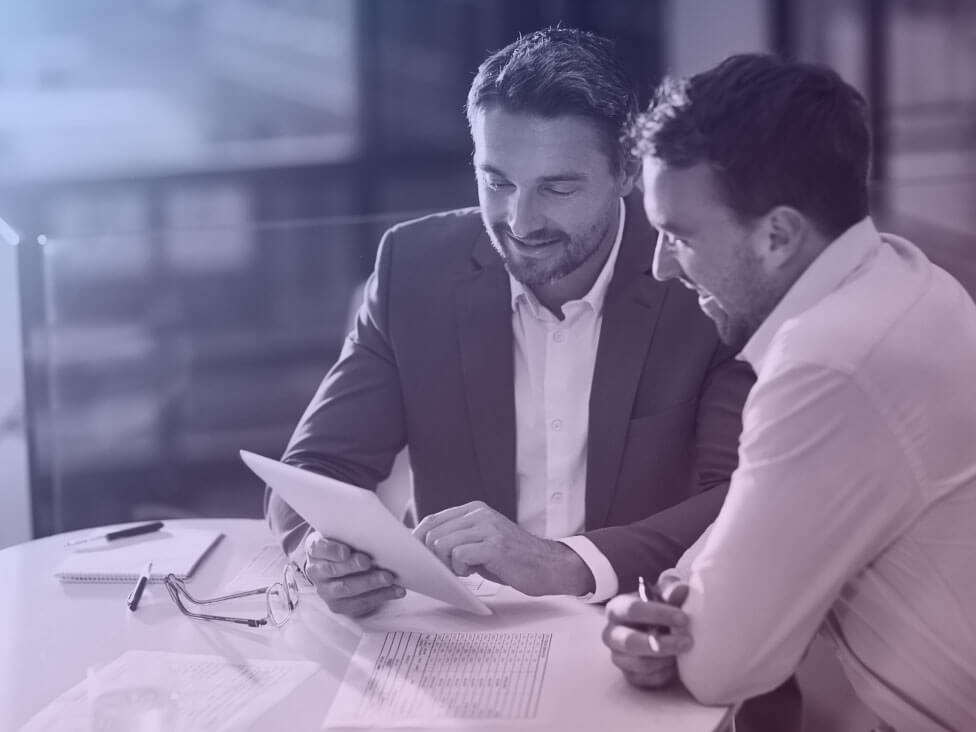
(545, 255)
(733, 332)
(739, 318)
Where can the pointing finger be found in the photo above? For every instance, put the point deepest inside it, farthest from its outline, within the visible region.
(448, 514)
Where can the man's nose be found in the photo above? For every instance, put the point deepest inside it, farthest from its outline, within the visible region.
(666, 265)
(524, 214)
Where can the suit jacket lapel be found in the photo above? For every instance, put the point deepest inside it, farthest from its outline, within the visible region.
(485, 334)
(630, 313)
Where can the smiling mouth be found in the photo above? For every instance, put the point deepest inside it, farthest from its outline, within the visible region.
(533, 246)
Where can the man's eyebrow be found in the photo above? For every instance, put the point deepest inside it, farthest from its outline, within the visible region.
(670, 228)
(488, 168)
(563, 177)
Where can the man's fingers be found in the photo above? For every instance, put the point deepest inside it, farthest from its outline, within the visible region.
(441, 538)
(320, 547)
(645, 666)
(656, 680)
(631, 610)
(644, 643)
(448, 514)
(355, 584)
(447, 545)
(321, 570)
(471, 557)
(673, 591)
(366, 603)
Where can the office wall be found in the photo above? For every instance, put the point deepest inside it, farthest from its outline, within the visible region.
(14, 502)
(700, 33)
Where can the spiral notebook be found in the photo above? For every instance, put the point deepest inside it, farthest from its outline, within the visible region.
(172, 551)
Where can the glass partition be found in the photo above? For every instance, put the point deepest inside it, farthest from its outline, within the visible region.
(164, 352)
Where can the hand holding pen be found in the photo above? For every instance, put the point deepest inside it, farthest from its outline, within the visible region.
(673, 594)
(645, 632)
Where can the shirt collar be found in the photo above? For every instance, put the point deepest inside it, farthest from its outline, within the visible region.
(594, 298)
(824, 275)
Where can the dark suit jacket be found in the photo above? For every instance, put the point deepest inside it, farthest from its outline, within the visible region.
(430, 364)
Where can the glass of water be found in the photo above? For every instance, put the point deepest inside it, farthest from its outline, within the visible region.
(140, 700)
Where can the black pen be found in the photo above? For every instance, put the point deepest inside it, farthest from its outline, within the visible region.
(133, 599)
(121, 533)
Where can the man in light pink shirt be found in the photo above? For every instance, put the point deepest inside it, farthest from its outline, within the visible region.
(853, 507)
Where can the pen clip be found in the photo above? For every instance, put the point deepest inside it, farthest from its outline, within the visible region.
(136, 594)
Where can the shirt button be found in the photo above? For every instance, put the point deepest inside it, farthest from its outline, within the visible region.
(556, 497)
(559, 336)
(557, 424)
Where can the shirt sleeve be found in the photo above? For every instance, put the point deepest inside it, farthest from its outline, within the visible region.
(596, 561)
(821, 488)
(682, 570)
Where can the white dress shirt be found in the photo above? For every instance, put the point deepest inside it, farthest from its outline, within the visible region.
(853, 509)
(554, 361)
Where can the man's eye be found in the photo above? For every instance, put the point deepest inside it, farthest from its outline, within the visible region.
(561, 190)
(496, 183)
(675, 242)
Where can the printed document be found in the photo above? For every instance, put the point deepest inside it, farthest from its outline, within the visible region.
(412, 678)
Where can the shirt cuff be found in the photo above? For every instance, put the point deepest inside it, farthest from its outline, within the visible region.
(604, 576)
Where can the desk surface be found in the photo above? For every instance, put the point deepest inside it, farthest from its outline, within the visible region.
(50, 633)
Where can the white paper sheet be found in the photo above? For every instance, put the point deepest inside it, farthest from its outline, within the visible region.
(264, 569)
(405, 679)
(480, 586)
(208, 693)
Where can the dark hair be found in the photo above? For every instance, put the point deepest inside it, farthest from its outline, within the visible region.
(560, 71)
(775, 133)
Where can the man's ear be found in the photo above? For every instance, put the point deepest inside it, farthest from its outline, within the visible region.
(630, 175)
(784, 236)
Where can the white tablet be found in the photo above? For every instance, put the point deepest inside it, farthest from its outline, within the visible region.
(358, 518)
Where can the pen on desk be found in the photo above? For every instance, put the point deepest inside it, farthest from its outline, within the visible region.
(121, 533)
(651, 638)
(133, 599)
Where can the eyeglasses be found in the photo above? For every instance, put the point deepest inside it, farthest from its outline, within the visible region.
(281, 599)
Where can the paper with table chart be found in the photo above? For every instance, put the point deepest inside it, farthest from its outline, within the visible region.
(265, 567)
(409, 679)
(207, 694)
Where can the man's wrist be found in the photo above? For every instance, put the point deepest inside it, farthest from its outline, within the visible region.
(571, 575)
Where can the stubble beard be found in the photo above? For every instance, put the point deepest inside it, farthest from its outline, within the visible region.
(573, 252)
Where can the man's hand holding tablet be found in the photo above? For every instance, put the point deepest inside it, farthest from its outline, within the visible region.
(347, 579)
(358, 554)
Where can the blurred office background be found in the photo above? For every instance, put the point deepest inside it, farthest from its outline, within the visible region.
(193, 190)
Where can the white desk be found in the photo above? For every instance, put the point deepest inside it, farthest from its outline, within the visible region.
(50, 633)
